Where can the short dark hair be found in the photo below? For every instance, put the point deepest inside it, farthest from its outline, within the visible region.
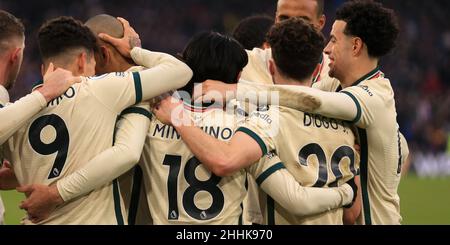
(63, 33)
(296, 47)
(376, 25)
(10, 26)
(251, 32)
(212, 55)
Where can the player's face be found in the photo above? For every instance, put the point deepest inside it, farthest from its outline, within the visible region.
(339, 49)
(306, 9)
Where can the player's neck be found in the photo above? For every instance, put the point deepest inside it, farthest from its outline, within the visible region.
(3, 74)
(125, 66)
(358, 71)
(122, 64)
(282, 80)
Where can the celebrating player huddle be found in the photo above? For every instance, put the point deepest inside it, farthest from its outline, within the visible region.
(298, 133)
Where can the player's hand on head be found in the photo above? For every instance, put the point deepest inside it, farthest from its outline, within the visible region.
(214, 91)
(170, 111)
(125, 44)
(41, 201)
(56, 82)
(8, 180)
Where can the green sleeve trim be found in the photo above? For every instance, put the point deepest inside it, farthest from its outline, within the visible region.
(262, 177)
(117, 206)
(358, 107)
(137, 86)
(364, 167)
(135, 195)
(137, 110)
(255, 137)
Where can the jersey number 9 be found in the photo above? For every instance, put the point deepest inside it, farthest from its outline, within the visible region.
(60, 145)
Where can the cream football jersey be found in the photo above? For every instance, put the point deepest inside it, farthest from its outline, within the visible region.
(257, 69)
(67, 134)
(317, 151)
(382, 148)
(180, 190)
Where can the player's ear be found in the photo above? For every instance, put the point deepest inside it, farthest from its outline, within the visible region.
(15, 55)
(43, 70)
(81, 62)
(272, 67)
(265, 45)
(358, 46)
(322, 22)
(239, 75)
(105, 55)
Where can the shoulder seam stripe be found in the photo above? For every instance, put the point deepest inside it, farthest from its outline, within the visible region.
(358, 106)
(137, 110)
(262, 177)
(137, 86)
(253, 135)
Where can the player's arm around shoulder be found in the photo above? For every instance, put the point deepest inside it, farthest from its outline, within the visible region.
(222, 158)
(272, 176)
(370, 104)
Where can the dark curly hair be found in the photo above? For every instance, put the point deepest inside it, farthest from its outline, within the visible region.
(251, 32)
(296, 47)
(212, 55)
(63, 33)
(376, 25)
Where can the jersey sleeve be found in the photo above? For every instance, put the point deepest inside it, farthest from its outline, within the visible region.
(130, 136)
(368, 104)
(120, 90)
(278, 183)
(262, 126)
(16, 114)
(302, 98)
(257, 69)
(327, 84)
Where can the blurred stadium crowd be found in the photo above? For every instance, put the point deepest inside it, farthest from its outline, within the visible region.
(419, 69)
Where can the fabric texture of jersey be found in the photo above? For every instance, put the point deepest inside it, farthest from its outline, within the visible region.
(74, 128)
(180, 190)
(317, 151)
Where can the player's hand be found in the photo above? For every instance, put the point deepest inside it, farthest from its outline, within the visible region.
(8, 180)
(125, 44)
(214, 91)
(352, 213)
(170, 111)
(56, 82)
(357, 148)
(41, 201)
(354, 187)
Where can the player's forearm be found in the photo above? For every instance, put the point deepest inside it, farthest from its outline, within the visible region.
(214, 154)
(304, 201)
(99, 171)
(15, 115)
(334, 105)
(111, 163)
(167, 73)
